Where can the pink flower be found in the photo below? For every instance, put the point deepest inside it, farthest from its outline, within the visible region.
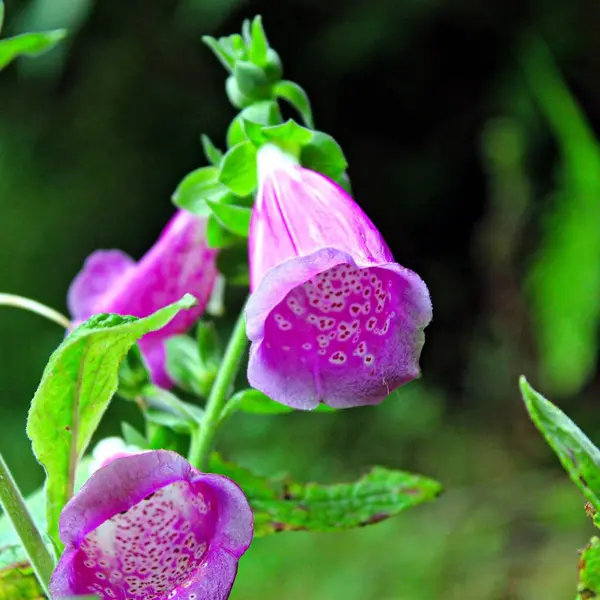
(180, 262)
(150, 527)
(332, 318)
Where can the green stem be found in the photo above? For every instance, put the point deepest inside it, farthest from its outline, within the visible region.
(36, 307)
(202, 439)
(13, 504)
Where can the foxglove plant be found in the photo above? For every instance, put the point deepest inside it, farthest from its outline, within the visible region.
(149, 527)
(332, 317)
(179, 262)
(332, 320)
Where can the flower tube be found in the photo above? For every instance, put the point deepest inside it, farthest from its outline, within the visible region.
(180, 262)
(332, 317)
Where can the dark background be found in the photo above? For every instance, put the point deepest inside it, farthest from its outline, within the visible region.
(469, 130)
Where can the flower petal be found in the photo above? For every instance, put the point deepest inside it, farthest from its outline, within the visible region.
(101, 270)
(180, 262)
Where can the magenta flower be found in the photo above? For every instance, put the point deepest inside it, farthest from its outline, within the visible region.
(180, 262)
(150, 527)
(332, 318)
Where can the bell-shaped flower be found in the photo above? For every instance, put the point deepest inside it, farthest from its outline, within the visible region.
(180, 262)
(150, 527)
(332, 317)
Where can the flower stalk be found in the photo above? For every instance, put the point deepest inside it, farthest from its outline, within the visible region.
(13, 504)
(203, 437)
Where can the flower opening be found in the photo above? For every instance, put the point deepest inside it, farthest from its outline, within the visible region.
(150, 527)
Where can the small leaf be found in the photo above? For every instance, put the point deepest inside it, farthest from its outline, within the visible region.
(288, 506)
(253, 132)
(324, 154)
(174, 422)
(289, 131)
(258, 44)
(133, 375)
(238, 171)
(210, 348)
(233, 264)
(220, 50)
(238, 46)
(185, 368)
(18, 582)
(133, 437)
(235, 218)
(251, 80)
(218, 236)
(29, 44)
(255, 402)
(212, 153)
(246, 34)
(265, 112)
(578, 455)
(297, 97)
(589, 571)
(197, 187)
(76, 388)
(165, 401)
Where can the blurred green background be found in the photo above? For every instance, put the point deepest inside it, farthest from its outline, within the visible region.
(469, 129)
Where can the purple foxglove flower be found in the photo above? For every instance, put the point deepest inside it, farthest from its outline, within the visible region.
(332, 318)
(150, 527)
(180, 262)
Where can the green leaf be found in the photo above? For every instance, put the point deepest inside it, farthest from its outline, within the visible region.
(252, 81)
(255, 402)
(174, 422)
(233, 264)
(289, 506)
(265, 112)
(589, 571)
(185, 368)
(76, 388)
(258, 43)
(133, 437)
(297, 97)
(578, 455)
(238, 170)
(220, 50)
(18, 582)
(289, 131)
(164, 401)
(218, 236)
(1, 14)
(253, 131)
(212, 153)
(564, 278)
(29, 44)
(324, 154)
(210, 348)
(133, 375)
(235, 218)
(246, 34)
(197, 188)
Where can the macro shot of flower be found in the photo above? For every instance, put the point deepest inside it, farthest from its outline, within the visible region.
(150, 527)
(332, 317)
(180, 262)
